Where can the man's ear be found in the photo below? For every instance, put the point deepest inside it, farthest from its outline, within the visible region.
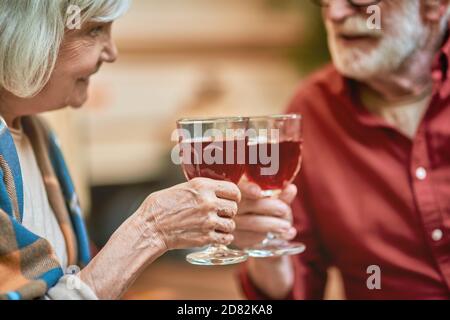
(434, 10)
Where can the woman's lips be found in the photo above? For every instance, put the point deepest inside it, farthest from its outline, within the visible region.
(86, 79)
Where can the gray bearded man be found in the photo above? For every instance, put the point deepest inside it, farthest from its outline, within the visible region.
(374, 190)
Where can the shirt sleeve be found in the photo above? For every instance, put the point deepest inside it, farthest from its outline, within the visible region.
(70, 287)
(311, 266)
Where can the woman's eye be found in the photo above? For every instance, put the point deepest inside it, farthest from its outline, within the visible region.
(96, 31)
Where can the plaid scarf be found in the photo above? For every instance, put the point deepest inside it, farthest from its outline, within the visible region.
(28, 264)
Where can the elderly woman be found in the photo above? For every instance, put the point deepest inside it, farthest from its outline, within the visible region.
(46, 65)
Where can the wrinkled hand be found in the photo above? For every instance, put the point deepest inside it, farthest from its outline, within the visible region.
(192, 214)
(258, 215)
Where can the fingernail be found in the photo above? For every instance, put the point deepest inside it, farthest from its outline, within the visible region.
(284, 230)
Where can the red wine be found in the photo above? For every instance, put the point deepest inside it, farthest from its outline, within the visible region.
(289, 161)
(219, 160)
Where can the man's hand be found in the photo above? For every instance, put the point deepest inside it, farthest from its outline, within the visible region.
(258, 215)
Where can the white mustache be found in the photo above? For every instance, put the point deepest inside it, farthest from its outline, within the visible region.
(355, 26)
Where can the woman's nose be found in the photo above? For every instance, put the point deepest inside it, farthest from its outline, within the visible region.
(339, 10)
(109, 53)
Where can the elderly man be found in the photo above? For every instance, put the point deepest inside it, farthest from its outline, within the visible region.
(374, 195)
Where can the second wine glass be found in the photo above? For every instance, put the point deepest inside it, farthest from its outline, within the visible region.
(274, 154)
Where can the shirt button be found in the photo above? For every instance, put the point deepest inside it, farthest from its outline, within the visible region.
(437, 235)
(421, 173)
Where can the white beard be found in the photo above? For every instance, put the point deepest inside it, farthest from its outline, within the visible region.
(405, 35)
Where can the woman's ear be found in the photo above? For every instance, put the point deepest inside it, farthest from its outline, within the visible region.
(434, 10)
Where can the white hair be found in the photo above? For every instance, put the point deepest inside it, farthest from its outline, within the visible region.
(31, 33)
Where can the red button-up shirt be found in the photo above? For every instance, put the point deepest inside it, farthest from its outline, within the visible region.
(370, 196)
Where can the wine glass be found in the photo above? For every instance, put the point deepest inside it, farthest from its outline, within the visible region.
(214, 148)
(274, 154)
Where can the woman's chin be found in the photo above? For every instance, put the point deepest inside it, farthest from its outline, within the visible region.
(78, 102)
(76, 106)
(80, 98)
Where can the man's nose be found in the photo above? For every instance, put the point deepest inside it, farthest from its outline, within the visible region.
(339, 10)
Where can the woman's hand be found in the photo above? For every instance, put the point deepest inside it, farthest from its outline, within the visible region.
(192, 214)
(195, 213)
